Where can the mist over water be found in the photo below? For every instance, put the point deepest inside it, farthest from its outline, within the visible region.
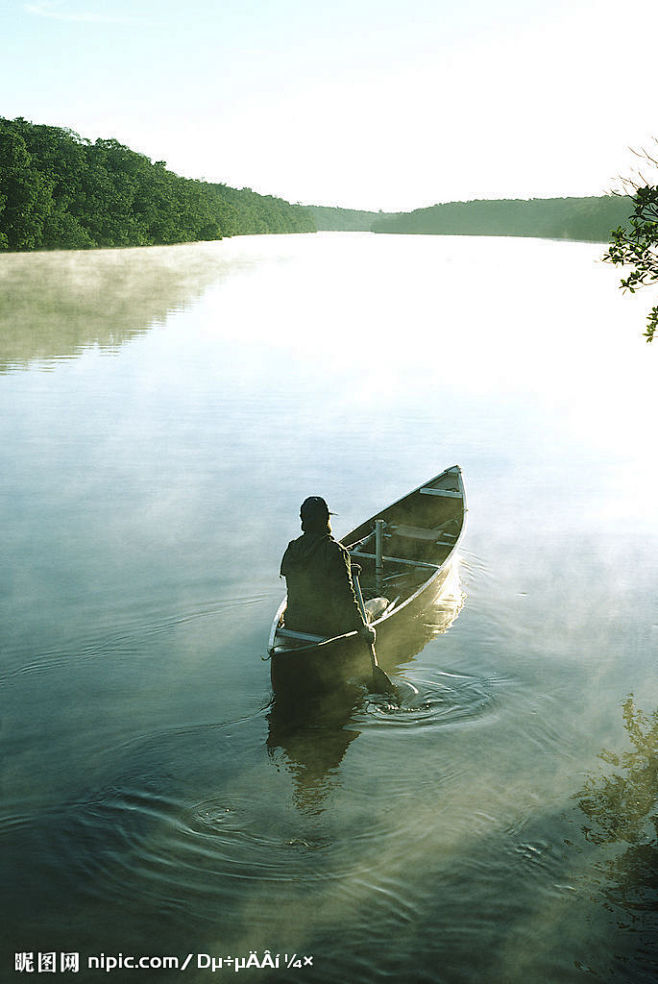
(163, 413)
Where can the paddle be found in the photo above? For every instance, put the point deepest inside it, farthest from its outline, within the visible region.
(381, 681)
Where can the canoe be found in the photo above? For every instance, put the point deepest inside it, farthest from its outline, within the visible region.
(405, 553)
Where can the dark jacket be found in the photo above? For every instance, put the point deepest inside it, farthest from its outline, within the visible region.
(321, 595)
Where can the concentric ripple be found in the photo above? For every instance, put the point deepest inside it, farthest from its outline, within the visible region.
(445, 699)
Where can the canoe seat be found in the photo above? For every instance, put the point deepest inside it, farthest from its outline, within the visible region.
(301, 636)
(447, 493)
(374, 608)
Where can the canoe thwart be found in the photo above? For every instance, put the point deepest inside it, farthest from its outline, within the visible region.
(396, 560)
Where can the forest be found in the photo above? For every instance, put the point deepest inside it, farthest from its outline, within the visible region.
(61, 191)
(587, 219)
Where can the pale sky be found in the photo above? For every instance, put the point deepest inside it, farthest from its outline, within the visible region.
(374, 104)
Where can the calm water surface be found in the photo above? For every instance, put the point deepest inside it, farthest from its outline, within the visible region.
(162, 414)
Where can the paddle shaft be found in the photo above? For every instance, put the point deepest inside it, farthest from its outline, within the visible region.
(378, 674)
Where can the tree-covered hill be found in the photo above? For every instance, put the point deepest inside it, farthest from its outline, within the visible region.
(336, 219)
(60, 191)
(589, 219)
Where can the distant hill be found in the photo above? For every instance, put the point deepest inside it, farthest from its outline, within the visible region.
(328, 219)
(60, 191)
(589, 219)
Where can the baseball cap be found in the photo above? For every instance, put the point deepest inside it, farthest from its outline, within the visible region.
(315, 508)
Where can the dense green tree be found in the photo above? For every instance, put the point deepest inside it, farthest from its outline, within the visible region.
(25, 192)
(58, 190)
(636, 244)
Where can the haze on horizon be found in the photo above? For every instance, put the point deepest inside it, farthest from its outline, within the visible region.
(373, 104)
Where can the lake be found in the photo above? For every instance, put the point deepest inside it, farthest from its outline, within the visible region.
(163, 413)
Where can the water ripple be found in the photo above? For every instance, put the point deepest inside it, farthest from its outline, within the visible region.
(445, 699)
(125, 640)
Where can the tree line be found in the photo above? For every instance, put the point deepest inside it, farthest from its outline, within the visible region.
(588, 219)
(61, 191)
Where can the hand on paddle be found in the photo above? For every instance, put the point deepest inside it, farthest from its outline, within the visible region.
(379, 678)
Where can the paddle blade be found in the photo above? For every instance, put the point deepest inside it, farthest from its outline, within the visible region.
(381, 682)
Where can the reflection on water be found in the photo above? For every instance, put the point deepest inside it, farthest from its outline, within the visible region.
(621, 805)
(622, 808)
(409, 634)
(310, 739)
(53, 305)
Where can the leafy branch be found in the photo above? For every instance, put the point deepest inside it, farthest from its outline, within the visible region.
(636, 245)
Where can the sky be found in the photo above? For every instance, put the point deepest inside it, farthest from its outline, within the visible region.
(372, 104)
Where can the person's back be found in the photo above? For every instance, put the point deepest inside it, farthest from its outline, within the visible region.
(318, 575)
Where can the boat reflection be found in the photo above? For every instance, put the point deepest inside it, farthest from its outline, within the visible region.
(310, 732)
(309, 738)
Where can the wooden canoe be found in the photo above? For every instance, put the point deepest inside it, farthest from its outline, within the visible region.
(405, 554)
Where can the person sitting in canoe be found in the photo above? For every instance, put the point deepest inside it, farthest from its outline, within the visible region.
(318, 575)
